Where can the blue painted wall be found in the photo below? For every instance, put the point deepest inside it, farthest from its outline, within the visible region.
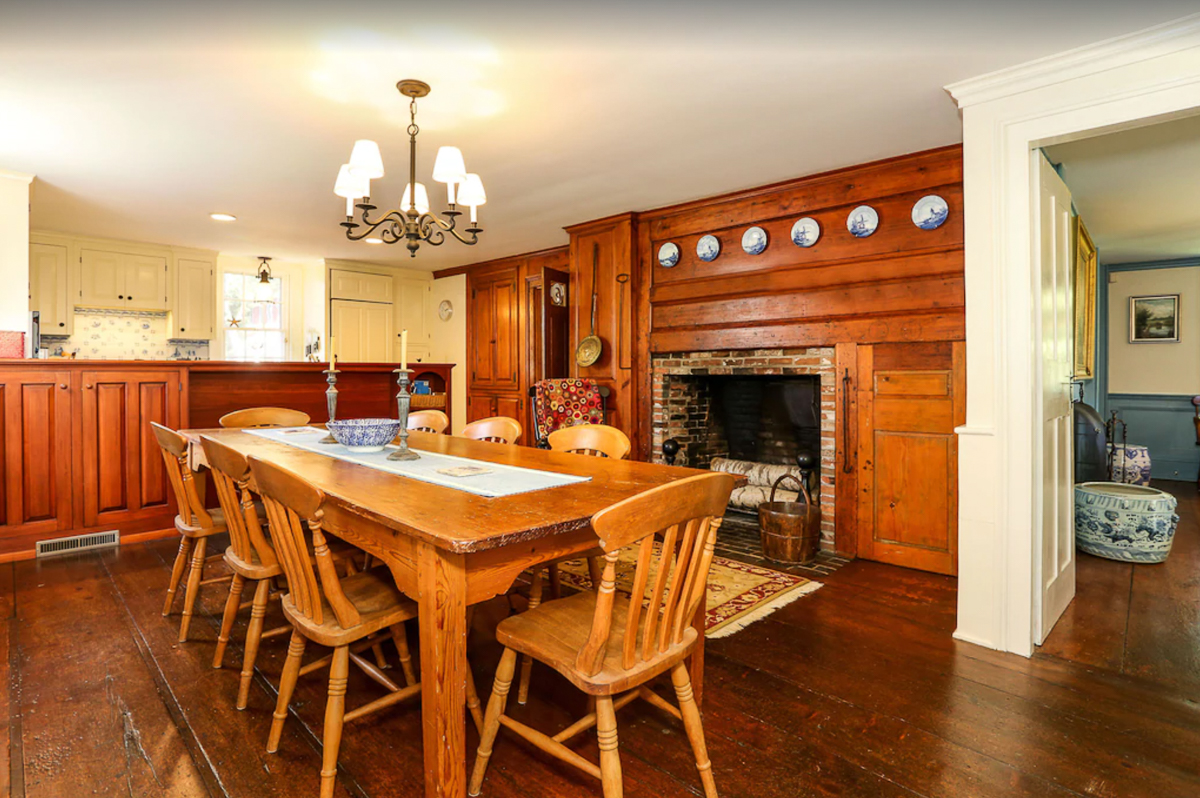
(1161, 422)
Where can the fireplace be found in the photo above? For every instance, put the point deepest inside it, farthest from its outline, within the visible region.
(761, 405)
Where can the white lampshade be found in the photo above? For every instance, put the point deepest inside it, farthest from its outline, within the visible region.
(365, 160)
(350, 185)
(422, 198)
(471, 191)
(449, 166)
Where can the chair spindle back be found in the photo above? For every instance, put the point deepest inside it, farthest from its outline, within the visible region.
(289, 498)
(434, 421)
(183, 480)
(231, 477)
(264, 417)
(599, 440)
(497, 429)
(687, 513)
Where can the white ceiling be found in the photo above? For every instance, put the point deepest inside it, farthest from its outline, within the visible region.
(1138, 191)
(140, 119)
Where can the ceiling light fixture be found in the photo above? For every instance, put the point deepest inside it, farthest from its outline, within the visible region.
(412, 222)
(262, 290)
(222, 217)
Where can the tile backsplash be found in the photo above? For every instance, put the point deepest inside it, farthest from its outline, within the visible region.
(123, 335)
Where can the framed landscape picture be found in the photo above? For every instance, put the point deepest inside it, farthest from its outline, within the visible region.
(1154, 319)
(1085, 303)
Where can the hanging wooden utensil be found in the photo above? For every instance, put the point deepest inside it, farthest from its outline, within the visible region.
(590, 348)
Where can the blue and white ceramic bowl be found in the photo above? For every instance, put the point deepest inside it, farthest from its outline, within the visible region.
(929, 213)
(805, 232)
(862, 221)
(754, 241)
(1124, 522)
(668, 255)
(708, 248)
(364, 435)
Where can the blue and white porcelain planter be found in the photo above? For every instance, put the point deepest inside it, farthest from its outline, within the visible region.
(1131, 464)
(1130, 523)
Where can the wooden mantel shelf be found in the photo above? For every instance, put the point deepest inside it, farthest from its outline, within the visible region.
(76, 453)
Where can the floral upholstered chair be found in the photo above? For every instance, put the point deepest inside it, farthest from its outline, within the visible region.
(566, 403)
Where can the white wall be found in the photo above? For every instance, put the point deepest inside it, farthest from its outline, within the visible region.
(14, 251)
(1154, 368)
(450, 339)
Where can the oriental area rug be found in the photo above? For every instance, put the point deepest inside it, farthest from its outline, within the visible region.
(738, 593)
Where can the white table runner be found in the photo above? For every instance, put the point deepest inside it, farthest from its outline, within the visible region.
(501, 480)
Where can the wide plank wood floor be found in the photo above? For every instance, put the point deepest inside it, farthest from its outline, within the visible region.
(856, 690)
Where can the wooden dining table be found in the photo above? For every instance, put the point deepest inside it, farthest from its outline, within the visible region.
(449, 549)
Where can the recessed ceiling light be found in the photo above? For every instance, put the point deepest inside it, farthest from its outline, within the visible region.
(373, 240)
(222, 217)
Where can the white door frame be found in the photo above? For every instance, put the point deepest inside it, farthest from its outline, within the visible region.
(1114, 85)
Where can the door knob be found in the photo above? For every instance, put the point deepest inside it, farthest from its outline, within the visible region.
(63, 386)
(62, 324)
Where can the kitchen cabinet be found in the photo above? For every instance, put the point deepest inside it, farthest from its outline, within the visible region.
(194, 311)
(362, 332)
(124, 478)
(35, 453)
(360, 286)
(49, 288)
(119, 280)
(492, 334)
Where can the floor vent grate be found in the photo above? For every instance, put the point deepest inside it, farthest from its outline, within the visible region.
(96, 540)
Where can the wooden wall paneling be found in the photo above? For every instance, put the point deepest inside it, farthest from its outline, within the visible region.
(846, 450)
(643, 390)
(36, 443)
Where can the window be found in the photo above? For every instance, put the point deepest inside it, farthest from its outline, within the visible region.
(255, 327)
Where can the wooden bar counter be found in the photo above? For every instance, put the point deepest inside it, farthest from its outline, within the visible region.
(78, 455)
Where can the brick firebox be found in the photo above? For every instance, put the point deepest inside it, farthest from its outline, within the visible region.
(682, 404)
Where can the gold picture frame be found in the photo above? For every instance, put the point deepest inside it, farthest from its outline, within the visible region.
(1085, 302)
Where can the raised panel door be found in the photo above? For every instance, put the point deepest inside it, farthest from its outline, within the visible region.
(195, 309)
(35, 443)
(124, 477)
(506, 333)
(101, 279)
(481, 323)
(362, 331)
(49, 289)
(910, 398)
(412, 314)
(480, 406)
(145, 282)
(510, 406)
(360, 286)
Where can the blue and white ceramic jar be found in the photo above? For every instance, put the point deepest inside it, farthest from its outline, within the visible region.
(1130, 523)
(1131, 463)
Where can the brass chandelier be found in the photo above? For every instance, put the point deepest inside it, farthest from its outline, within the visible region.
(412, 222)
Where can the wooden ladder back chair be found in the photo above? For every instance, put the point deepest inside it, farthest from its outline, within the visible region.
(497, 429)
(264, 417)
(250, 557)
(348, 614)
(434, 421)
(596, 440)
(608, 644)
(194, 523)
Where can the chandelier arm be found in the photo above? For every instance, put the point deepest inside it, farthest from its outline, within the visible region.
(391, 217)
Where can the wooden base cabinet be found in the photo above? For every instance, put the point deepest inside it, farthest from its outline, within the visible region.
(123, 474)
(35, 441)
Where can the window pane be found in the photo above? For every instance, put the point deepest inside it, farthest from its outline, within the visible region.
(235, 345)
(273, 349)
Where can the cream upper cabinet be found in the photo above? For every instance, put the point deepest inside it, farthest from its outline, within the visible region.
(49, 290)
(118, 280)
(362, 331)
(360, 286)
(412, 314)
(194, 312)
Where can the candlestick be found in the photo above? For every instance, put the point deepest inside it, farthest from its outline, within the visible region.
(404, 349)
(402, 402)
(330, 400)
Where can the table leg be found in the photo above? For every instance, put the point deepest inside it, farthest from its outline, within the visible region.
(442, 584)
(696, 662)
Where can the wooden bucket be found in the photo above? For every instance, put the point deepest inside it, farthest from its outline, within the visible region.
(791, 531)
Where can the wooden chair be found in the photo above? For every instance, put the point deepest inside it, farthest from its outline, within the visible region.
(434, 421)
(347, 614)
(596, 440)
(264, 417)
(498, 429)
(250, 557)
(610, 646)
(194, 523)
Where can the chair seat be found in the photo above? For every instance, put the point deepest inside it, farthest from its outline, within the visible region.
(380, 605)
(555, 632)
(194, 531)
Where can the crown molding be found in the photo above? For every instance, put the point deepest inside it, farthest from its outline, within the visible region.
(1170, 37)
(17, 176)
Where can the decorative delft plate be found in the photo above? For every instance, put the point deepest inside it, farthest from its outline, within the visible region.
(862, 221)
(929, 213)
(754, 241)
(805, 232)
(668, 255)
(708, 248)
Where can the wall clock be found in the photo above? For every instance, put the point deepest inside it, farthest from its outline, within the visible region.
(558, 294)
(445, 310)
